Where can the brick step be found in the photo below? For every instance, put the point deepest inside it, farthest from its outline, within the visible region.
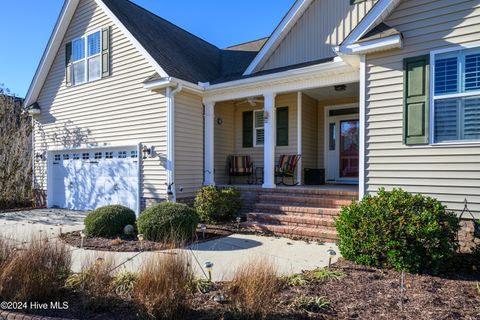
(327, 193)
(327, 235)
(286, 209)
(295, 220)
(303, 200)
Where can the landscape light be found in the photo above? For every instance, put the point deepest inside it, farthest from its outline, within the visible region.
(141, 238)
(82, 237)
(209, 266)
(331, 254)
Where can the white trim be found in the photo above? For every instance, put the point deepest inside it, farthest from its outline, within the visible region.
(460, 77)
(170, 95)
(362, 117)
(209, 175)
(378, 13)
(278, 34)
(270, 143)
(377, 45)
(86, 58)
(299, 135)
(139, 178)
(171, 82)
(326, 145)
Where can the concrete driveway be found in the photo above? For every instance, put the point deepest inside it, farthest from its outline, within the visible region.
(227, 254)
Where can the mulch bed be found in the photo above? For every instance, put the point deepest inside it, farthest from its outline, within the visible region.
(132, 244)
(363, 293)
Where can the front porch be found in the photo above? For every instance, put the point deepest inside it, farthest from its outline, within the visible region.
(320, 126)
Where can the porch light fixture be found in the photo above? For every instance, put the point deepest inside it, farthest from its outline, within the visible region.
(209, 266)
(331, 254)
(341, 87)
(219, 121)
(38, 156)
(147, 152)
(34, 109)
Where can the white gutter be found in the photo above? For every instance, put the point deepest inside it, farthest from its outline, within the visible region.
(361, 48)
(170, 94)
(172, 82)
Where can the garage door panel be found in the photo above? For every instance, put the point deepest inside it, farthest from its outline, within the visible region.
(89, 179)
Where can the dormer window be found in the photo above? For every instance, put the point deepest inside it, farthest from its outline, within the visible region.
(88, 58)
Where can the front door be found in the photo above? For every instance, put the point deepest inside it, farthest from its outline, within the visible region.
(342, 145)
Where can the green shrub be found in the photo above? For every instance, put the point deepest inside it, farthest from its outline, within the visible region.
(217, 205)
(398, 230)
(168, 221)
(108, 221)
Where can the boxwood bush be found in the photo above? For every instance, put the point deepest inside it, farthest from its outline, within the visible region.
(168, 221)
(398, 230)
(217, 205)
(108, 221)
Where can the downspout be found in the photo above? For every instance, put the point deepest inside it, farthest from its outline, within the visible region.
(171, 190)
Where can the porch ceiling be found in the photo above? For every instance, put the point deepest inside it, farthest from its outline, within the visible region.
(326, 93)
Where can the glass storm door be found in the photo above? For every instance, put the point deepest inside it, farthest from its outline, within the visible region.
(349, 146)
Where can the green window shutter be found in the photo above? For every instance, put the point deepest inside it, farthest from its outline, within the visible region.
(282, 126)
(106, 52)
(247, 129)
(68, 64)
(416, 110)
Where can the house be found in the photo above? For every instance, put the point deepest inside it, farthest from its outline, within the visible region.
(377, 93)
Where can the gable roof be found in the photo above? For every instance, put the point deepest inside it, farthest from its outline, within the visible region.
(379, 32)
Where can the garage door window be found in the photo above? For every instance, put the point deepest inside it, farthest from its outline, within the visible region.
(98, 155)
(66, 157)
(57, 157)
(108, 155)
(76, 156)
(122, 154)
(86, 156)
(134, 154)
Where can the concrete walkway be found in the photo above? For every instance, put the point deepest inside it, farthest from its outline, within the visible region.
(227, 254)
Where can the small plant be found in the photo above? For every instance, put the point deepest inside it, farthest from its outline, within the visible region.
(108, 221)
(163, 286)
(398, 230)
(202, 285)
(295, 280)
(312, 304)
(124, 283)
(328, 275)
(168, 222)
(217, 205)
(254, 289)
(36, 273)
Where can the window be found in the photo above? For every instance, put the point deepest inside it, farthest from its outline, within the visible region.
(57, 157)
(456, 96)
(86, 58)
(66, 157)
(122, 154)
(86, 156)
(259, 131)
(282, 127)
(98, 155)
(76, 156)
(108, 155)
(134, 154)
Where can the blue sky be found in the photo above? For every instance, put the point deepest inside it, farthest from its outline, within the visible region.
(26, 26)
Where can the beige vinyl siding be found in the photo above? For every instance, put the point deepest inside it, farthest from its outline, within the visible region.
(112, 111)
(224, 136)
(188, 144)
(310, 127)
(449, 173)
(325, 24)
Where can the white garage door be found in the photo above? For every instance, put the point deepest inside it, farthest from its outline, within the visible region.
(88, 179)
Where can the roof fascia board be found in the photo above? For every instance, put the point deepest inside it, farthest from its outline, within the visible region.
(278, 34)
(387, 43)
(56, 38)
(378, 13)
(135, 42)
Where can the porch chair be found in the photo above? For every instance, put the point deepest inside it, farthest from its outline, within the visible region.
(240, 166)
(286, 168)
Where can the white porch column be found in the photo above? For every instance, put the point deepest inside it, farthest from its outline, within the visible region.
(362, 138)
(270, 141)
(299, 137)
(209, 177)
